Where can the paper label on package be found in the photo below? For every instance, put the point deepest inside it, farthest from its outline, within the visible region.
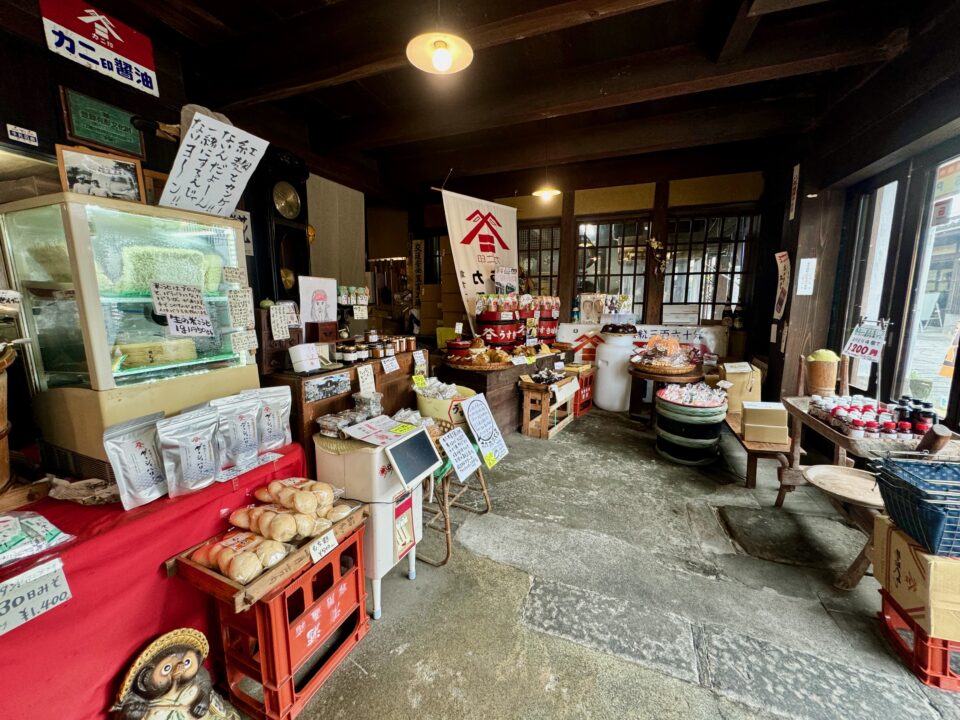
(244, 340)
(177, 299)
(484, 428)
(234, 275)
(458, 328)
(190, 326)
(531, 359)
(360, 312)
(419, 362)
(558, 366)
(279, 325)
(866, 342)
(738, 367)
(402, 428)
(461, 453)
(322, 546)
(32, 593)
(365, 376)
(390, 365)
(419, 380)
(240, 308)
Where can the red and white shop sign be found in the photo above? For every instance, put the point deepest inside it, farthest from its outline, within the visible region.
(80, 32)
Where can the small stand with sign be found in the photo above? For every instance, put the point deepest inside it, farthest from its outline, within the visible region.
(866, 344)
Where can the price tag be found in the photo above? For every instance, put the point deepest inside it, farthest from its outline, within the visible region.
(177, 299)
(519, 360)
(558, 366)
(365, 376)
(865, 342)
(360, 312)
(322, 546)
(244, 340)
(32, 593)
(190, 326)
(390, 365)
(402, 428)
(489, 460)
(279, 322)
(458, 328)
(531, 359)
(419, 381)
(233, 275)
(506, 316)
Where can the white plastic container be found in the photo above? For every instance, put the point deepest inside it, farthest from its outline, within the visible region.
(611, 387)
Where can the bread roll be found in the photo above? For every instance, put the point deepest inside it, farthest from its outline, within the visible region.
(263, 522)
(241, 518)
(338, 512)
(263, 494)
(282, 527)
(299, 500)
(320, 526)
(201, 555)
(322, 510)
(270, 552)
(243, 567)
(305, 524)
(275, 487)
(224, 557)
(323, 492)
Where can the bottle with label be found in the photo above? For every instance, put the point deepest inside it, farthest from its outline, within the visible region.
(726, 318)
(737, 318)
(575, 310)
(889, 431)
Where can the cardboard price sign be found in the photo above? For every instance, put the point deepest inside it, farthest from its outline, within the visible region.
(32, 593)
(865, 342)
(390, 365)
(322, 546)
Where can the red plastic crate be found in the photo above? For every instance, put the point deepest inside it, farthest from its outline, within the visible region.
(935, 662)
(290, 641)
(583, 402)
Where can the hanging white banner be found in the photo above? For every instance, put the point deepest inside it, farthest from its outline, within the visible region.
(483, 237)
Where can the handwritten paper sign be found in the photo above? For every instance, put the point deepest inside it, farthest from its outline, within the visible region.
(190, 326)
(461, 453)
(484, 429)
(177, 299)
(458, 328)
(806, 276)
(390, 365)
(360, 312)
(783, 284)
(365, 376)
(212, 167)
(419, 363)
(244, 217)
(865, 342)
(234, 276)
(293, 313)
(402, 428)
(32, 593)
(519, 360)
(322, 546)
(240, 308)
(244, 340)
(419, 381)
(279, 327)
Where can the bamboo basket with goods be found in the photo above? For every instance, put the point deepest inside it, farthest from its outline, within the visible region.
(666, 356)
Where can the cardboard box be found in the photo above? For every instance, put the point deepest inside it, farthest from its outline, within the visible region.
(764, 413)
(429, 293)
(746, 384)
(926, 586)
(766, 434)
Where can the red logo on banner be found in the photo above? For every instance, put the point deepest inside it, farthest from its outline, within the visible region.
(490, 222)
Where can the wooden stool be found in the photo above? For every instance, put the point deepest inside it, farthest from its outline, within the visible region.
(540, 417)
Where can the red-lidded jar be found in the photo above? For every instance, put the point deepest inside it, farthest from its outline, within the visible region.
(906, 430)
(920, 429)
(855, 429)
(889, 431)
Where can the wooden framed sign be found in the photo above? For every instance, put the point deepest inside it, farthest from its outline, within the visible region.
(89, 121)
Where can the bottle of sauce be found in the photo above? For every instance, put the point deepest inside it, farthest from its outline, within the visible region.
(855, 430)
(871, 430)
(889, 431)
(906, 430)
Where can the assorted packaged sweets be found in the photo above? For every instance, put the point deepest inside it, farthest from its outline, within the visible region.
(23, 534)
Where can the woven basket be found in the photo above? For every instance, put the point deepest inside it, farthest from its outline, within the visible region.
(666, 369)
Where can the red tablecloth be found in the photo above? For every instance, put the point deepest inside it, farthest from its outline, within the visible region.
(67, 664)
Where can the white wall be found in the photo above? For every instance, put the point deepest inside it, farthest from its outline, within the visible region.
(337, 214)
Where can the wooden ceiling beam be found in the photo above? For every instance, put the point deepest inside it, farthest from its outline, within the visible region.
(643, 78)
(741, 30)
(344, 57)
(696, 128)
(766, 7)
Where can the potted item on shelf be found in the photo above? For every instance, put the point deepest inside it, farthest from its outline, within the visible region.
(822, 368)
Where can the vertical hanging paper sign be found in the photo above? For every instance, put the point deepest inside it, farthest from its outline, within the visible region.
(177, 299)
(279, 325)
(244, 217)
(240, 308)
(212, 167)
(783, 284)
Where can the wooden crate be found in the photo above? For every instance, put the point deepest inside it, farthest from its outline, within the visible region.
(242, 597)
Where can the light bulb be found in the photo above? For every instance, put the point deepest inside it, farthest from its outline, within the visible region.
(441, 59)
(546, 193)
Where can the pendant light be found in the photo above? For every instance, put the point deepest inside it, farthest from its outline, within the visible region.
(547, 191)
(439, 53)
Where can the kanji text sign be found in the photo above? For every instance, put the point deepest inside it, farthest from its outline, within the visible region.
(865, 342)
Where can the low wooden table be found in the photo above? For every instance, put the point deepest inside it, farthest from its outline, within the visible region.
(539, 407)
(856, 497)
(756, 450)
(639, 390)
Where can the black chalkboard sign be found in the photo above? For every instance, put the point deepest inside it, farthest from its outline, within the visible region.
(413, 457)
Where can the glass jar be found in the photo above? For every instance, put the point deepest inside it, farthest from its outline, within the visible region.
(376, 350)
(906, 430)
(372, 335)
(855, 429)
(411, 343)
(889, 431)
(871, 430)
(920, 429)
(838, 417)
(363, 352)
(349, 353)
(338, 352)
(388, 350)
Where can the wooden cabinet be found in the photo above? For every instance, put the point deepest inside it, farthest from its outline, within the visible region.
(397, 389)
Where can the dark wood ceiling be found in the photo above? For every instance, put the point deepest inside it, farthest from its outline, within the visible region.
(554, 82)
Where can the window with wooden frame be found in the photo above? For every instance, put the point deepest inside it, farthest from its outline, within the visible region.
(612, 258)
(538, 251)
(707, 263)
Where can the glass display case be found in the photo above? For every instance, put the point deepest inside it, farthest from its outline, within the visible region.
(85, 268)
(99, 353)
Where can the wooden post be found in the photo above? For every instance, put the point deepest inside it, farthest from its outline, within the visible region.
(567, 272)
(653, 294)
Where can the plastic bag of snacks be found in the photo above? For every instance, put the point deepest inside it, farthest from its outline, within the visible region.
(238, 426)
(133, 449)
(240, 555)
(699, 395)
(437, 390)
(191, 452)
(23, 534)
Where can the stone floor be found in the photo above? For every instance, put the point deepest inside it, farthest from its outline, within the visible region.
(605, 584)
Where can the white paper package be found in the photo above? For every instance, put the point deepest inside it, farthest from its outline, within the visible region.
(133, 449)
(274, 422)
(239, 428)
(191, 450)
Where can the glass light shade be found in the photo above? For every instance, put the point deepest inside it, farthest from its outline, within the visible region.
(439, 53)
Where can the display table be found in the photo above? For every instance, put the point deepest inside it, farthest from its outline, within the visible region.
(638, 390)
(68, 662)
(397, 389)
(542, 416)
(500, 386)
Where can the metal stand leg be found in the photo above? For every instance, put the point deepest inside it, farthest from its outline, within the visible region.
(412, 563)
(376, 598)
